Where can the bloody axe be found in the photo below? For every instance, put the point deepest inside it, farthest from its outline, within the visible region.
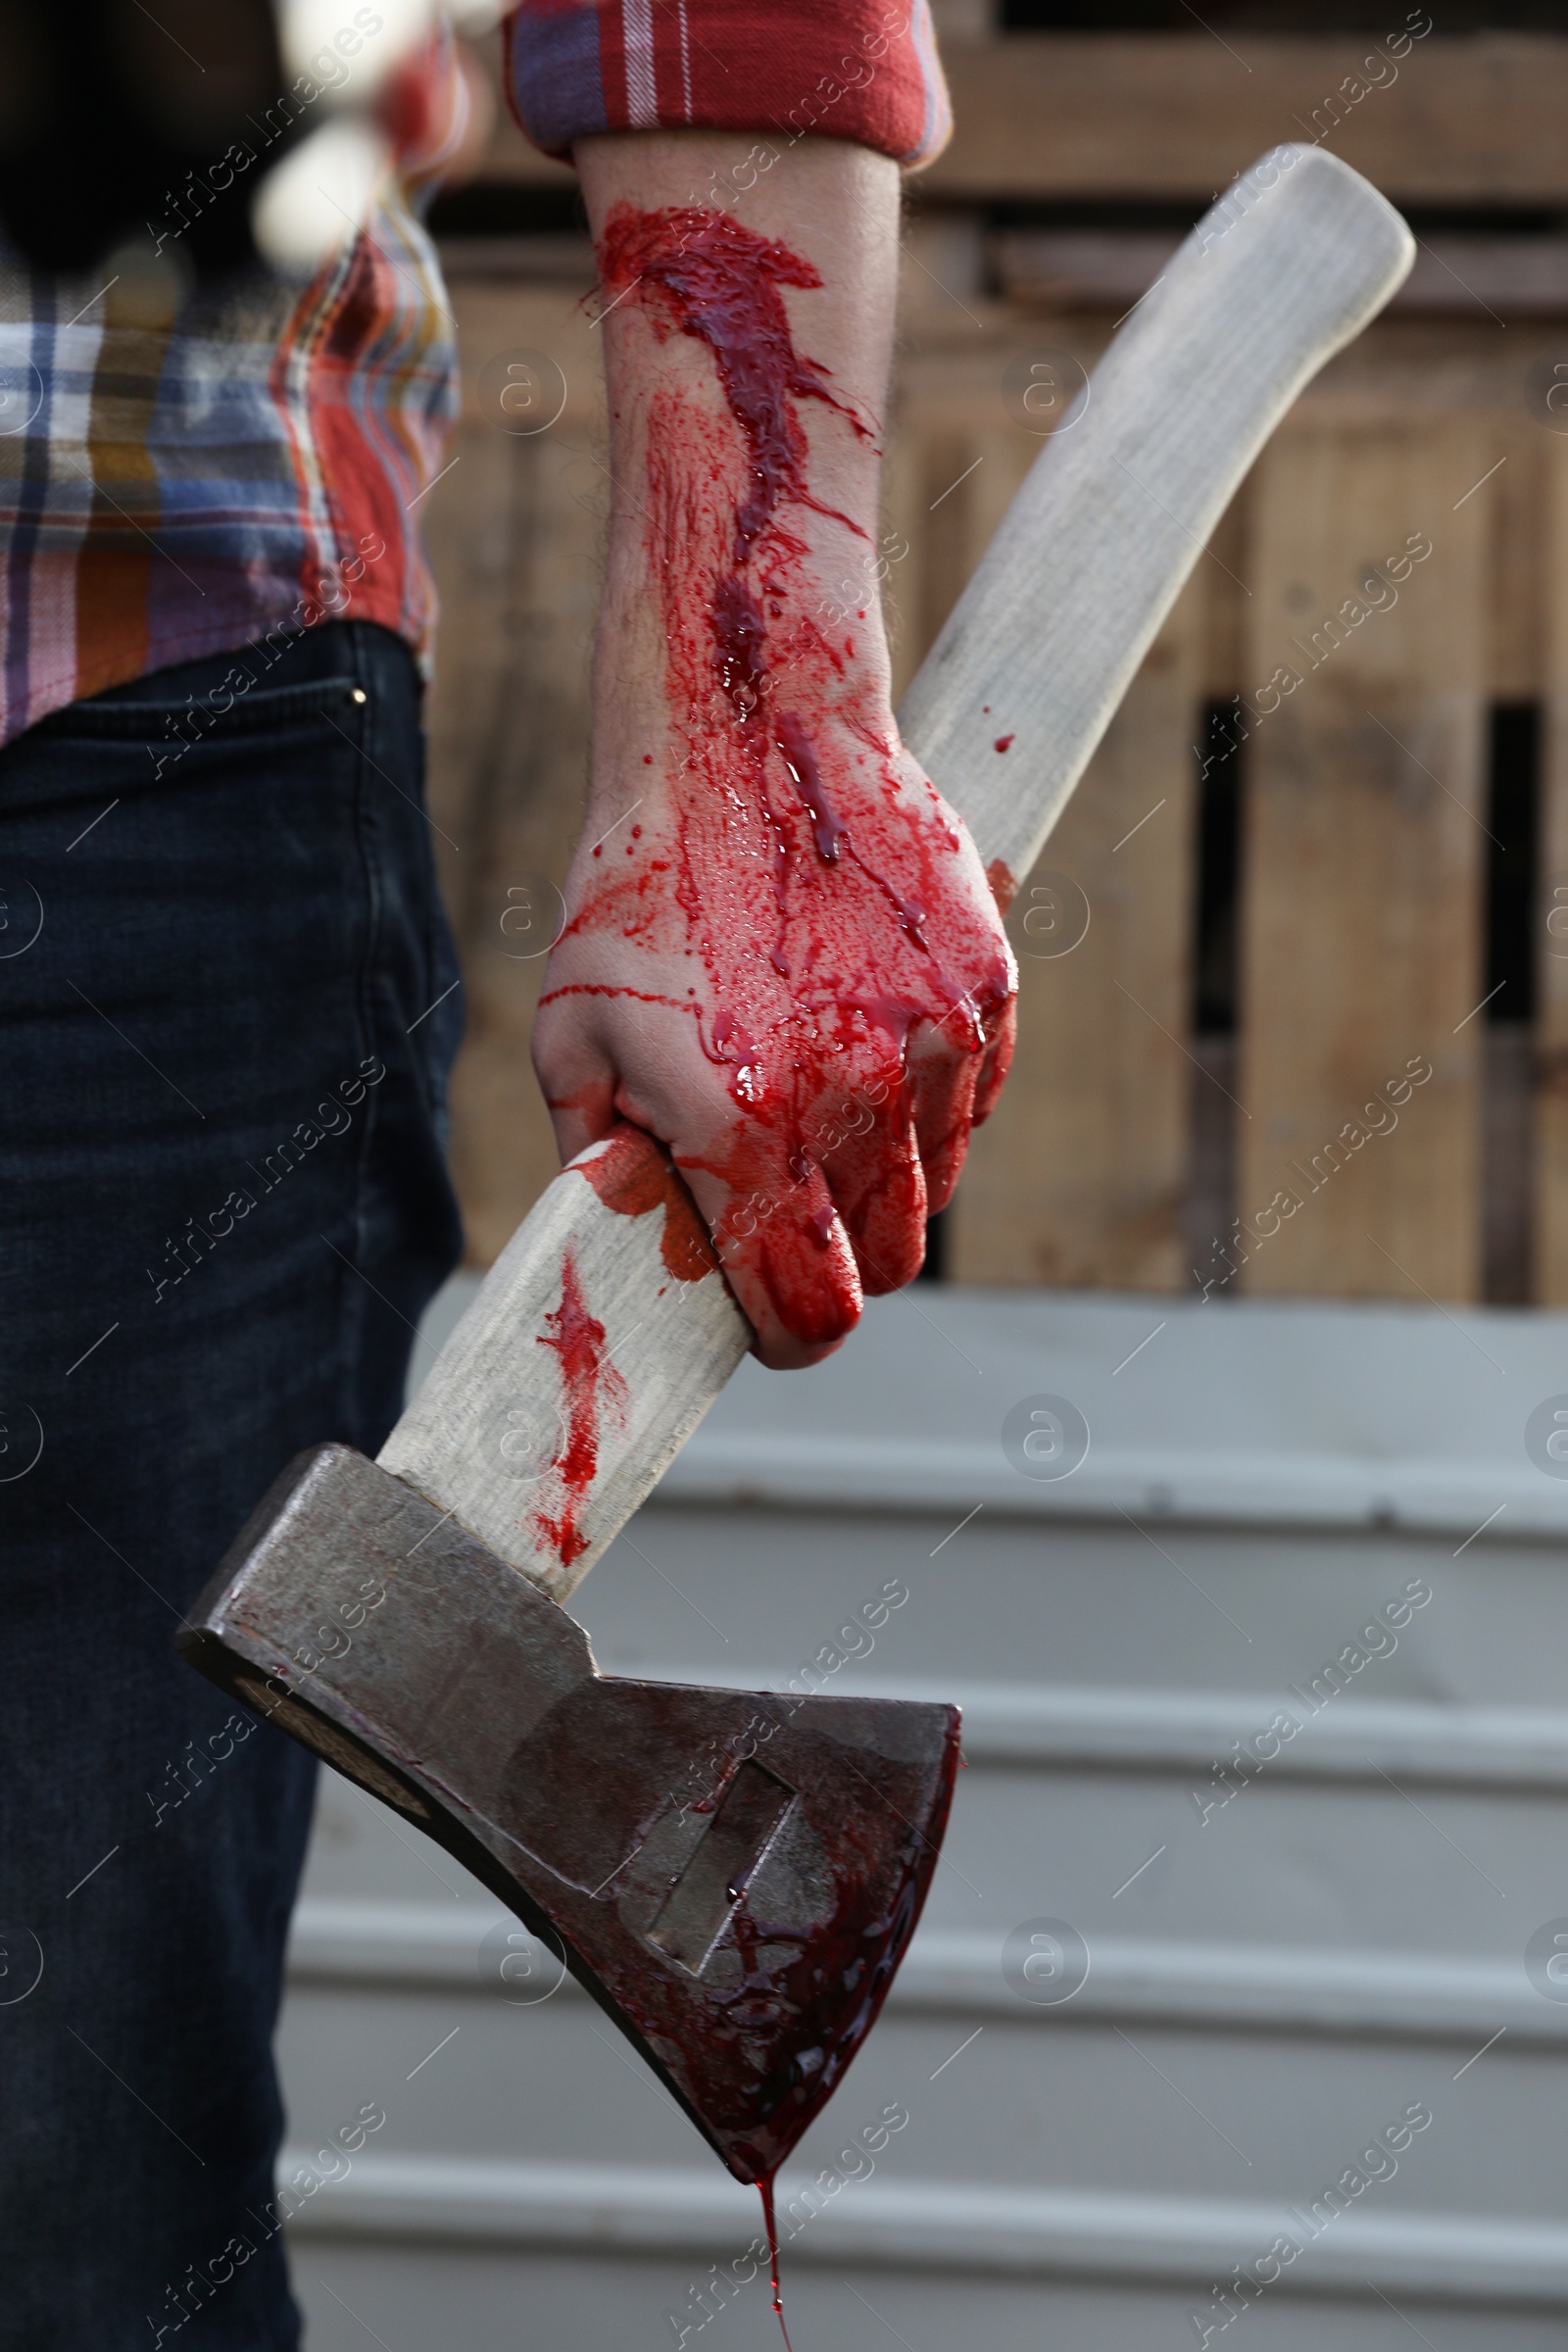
(735, 1875)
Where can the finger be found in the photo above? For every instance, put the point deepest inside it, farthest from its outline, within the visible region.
(785, 1256)
(886, 1221)
(847, 1135)
(997, 1063)
(870, 1159)
(942, 1086)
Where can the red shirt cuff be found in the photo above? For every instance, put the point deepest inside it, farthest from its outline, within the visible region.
(863, 69)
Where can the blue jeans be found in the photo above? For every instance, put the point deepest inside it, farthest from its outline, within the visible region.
(227, 1011)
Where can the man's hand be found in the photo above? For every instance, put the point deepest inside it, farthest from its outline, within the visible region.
(782, 955)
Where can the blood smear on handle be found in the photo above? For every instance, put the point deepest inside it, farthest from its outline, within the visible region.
(635, 1175)
(589, 1381)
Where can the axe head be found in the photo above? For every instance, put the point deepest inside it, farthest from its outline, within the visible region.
(733, 1876)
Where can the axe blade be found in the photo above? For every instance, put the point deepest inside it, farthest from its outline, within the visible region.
(733, 1876)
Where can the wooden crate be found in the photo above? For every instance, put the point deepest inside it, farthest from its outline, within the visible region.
(1365, 853)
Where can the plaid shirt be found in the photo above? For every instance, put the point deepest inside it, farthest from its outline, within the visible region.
(257, 462)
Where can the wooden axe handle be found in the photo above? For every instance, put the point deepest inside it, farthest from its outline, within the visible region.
(604, 1330)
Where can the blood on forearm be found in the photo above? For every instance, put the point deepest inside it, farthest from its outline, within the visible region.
(826, 218)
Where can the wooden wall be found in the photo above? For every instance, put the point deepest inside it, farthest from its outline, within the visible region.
(1365, 832)
(514, 531)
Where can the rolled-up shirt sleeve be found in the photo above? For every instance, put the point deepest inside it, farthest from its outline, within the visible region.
(863, 70)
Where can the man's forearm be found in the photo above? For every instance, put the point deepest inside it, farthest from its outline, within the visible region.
(656, 201)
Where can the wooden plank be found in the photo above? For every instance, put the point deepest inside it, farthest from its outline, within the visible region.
(1550, 1107)
(949, 545)
(1364, 863)
(904, 512)
(514, 532)
(969, 481)
(1227, 599)
(1453, 277)
(1078, 1179)
(1516, 599)
(1423, 370)
(1474, 120)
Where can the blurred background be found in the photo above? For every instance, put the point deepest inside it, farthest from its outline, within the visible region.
(1299, 942)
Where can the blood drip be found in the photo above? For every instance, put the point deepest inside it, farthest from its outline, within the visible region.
(589, 1382)
(771, 2221)
(827, 826)
(820, 891)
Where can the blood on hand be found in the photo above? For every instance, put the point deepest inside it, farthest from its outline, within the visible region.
(791, 969)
